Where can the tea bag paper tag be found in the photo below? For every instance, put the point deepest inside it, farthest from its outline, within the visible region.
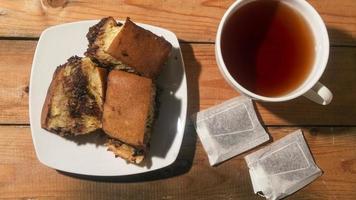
(229, 129)
(283, 167)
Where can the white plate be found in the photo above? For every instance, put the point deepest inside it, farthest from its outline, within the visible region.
(54, 47)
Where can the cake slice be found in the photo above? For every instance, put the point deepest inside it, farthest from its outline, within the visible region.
(128, 114)
(75, 98)
(140, 49)
(100, 36)
(128, 46)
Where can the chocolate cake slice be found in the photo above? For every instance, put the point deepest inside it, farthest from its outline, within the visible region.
(128, 46)
(100, 36)
(75, 98)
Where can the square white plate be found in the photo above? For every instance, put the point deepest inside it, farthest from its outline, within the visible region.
(54, 47)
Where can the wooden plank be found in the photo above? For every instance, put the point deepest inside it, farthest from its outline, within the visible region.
(22, 176)
(340, 19)
(15, 66)
(190, 20)
(206, 87)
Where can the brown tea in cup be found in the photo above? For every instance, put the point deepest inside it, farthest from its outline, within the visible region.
(268, 48)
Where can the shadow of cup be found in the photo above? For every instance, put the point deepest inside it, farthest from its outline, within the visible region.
(339, 77)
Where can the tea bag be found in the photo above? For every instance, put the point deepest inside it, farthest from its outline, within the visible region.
(229, 129)
(283, 167)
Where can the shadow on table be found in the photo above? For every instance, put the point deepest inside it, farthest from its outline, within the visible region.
(185, 157)
(339, 77)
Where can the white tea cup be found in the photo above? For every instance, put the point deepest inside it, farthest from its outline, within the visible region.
(311, 88)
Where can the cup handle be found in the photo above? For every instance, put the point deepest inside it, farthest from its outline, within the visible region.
(319, 94)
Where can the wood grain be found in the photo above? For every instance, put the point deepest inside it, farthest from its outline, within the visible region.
(22, 176)
(15, 66)
(190, 20)
(206, 87)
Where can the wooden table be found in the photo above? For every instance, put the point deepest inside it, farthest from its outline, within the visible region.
(329, 130)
